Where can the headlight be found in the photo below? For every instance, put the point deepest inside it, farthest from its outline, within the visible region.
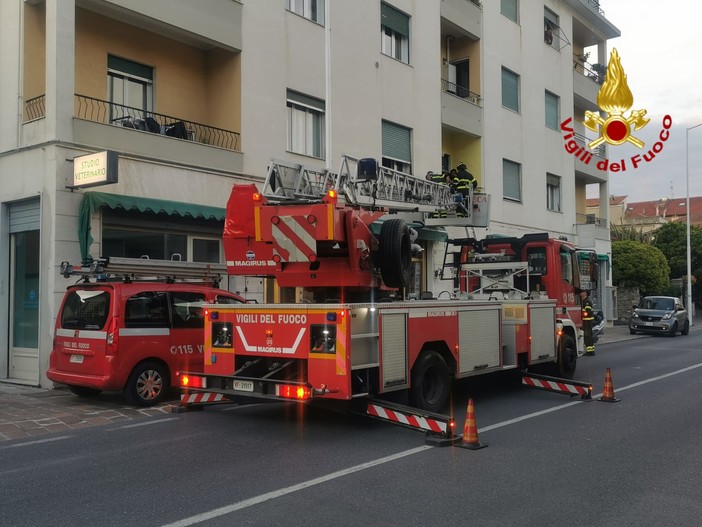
(634, 315)
(666, 316)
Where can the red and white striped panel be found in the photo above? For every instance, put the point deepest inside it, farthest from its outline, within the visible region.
(555, 386)
(200, 398)
(294, 239)
(415, 421)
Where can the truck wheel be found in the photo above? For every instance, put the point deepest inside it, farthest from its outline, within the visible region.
(147, 384)
(395, 252)
(567, 357)
(431, 383)
(84, 391)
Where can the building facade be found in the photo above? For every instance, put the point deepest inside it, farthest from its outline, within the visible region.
(193, 97)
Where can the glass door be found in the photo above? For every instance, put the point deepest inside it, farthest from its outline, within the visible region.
(24, 306)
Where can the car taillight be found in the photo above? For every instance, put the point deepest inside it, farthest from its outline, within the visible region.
(192, 381)
(112, 337)
(292, 391)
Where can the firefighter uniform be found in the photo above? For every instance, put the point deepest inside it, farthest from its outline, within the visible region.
(465, 180)
(588, 315)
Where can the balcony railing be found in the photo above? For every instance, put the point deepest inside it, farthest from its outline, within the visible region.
(590, 219)
(100, 111)
(460, 91)
(595, 72)
(581, 140)
(34, 108)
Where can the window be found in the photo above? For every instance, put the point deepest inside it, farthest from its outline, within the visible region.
(129, 84)
(310, 9)
(187, 310)
(553, 193)
(510, 8)
(552, 30)
(397, 147)
(511, 180)
(394, 33)
(305, 125)
(552, 111)
(133, 234)
(510, 90)
(458, 78)
(148, 309)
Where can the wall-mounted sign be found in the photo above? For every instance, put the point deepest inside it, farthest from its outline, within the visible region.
(95, 169)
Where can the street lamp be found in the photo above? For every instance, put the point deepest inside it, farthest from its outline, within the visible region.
(690, 307)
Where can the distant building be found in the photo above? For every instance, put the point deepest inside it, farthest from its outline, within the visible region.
(648, 216)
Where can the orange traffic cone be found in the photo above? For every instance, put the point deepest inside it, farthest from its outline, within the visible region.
(608, 393)
(470, 430)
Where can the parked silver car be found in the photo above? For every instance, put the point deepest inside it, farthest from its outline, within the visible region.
(659, 314)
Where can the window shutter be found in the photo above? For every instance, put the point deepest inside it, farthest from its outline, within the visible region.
(129, 67)
(509, 9)
(397, 142)
(305, 100)
(511, 180)
(551, 110)
(394, 19)
(25, 216)
(510, 90)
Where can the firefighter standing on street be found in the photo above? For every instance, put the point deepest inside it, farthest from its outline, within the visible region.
(588, 315)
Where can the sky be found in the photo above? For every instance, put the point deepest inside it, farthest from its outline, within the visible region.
(660, 51)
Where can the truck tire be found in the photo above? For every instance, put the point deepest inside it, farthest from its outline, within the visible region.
(147, 384)
(431, 383)
(395, 252)
(567, 357)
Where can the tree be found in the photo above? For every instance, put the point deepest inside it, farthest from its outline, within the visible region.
(629, 232)
(641, 265)
(671, 239)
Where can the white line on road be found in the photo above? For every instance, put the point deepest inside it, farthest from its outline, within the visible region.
(36, 442)
(215, 513)
(147, 423)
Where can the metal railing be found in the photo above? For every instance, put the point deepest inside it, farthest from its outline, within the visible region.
(590, 219)
(595, 5)
(590, 71)
(100, 111)
(34, 108)
(460, 91)
(477, 3)
(581, 140)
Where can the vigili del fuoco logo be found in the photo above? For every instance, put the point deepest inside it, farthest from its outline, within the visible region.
(615, 98)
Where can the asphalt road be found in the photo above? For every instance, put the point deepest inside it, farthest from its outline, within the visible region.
(550, 459)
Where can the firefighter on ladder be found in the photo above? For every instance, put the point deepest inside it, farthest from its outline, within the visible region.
(465, 182)
(588, 315)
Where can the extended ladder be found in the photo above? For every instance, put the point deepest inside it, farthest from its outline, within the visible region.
(364, 183)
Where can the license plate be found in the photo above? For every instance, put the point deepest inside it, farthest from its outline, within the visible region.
(243, 386)
(77, 359)
(648, 323)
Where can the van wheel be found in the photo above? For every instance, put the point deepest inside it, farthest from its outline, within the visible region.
(84, 391)
(431, 383)
(147, 384)
(395, 252)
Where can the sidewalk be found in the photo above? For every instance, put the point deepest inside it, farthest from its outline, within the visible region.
(27, 412)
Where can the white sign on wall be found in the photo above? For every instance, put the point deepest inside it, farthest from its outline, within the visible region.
(95, 169)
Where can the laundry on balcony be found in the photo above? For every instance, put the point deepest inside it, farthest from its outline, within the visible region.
(177, 129)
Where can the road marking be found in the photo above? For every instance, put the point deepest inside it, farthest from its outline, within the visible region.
(147, 423)
(198, 518)
(215, 513)
(37, 442)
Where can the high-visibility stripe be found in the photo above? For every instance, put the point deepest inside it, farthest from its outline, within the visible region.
(341, 347)
(204, 397)
(295, 236)
(414, 421)
(555, 386)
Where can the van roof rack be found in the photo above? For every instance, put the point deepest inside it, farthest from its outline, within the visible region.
(145, 269)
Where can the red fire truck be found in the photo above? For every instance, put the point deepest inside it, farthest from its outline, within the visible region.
(354, 335)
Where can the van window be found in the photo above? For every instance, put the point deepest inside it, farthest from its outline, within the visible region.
(221, 299)
(186, 309)
(85, 309)
(148, 309)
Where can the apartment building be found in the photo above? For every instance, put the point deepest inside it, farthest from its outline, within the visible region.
(190, 97)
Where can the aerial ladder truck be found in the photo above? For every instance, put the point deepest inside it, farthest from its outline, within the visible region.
(355, 336)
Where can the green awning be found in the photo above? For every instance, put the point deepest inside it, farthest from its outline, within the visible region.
(92, 201)
(603, 257)
(425, 233)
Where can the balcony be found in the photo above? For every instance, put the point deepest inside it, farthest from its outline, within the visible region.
(100, 111)
(462, 18)
(587, 79)
(590, 169)
(591, 229)
(461, 109)
(591, 14)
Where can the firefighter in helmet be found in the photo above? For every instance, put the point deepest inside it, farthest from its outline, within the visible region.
(588, 316)
(465, 180)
